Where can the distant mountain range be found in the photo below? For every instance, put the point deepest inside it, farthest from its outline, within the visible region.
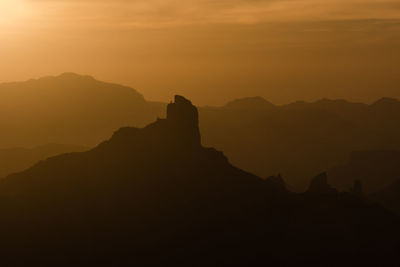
(297, 140)
(156, 195)
(300, 139)
(68, 109)
(375, 169)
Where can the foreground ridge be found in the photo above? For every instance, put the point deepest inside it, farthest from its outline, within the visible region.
(155, 195)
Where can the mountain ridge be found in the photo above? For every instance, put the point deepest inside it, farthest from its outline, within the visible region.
(156, 195)
(18, 159)
(289, 139)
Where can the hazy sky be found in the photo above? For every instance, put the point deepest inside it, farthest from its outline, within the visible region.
(210, 50)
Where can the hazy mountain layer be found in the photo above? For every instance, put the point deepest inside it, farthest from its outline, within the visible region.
(301, 139)
(68, 109)
(298, 140)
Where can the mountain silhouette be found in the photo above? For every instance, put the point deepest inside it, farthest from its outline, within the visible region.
(298, 140)
(249, 103)
(357, 188)
(68, 109)
(17, 159)
(301, 139)
(374, 169)
(319, 185)
(156, 195)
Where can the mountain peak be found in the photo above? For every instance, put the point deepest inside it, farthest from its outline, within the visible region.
(66, 77)
(319, 184)
(72, 75)
(183, 117)
(385, 102)
(179, 129)
(182, 111)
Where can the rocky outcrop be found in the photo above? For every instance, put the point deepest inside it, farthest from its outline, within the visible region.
(376, 169)
(178, 132)
(319, 184)
(357, 189)
(184, 117)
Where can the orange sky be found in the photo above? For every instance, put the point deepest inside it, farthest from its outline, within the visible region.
(210, 51)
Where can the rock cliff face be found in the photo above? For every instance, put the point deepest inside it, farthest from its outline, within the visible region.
(319, 184)
(357, 189)
(179, 131)
(185, 118)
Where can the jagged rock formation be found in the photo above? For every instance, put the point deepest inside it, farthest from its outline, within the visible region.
(185, 117)
(319, 184)
(357, 189)
(302, 138)
(375, 169)
(298, 139)
(180, 129)
(155, 195)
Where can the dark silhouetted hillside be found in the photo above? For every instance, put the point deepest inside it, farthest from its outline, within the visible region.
(18, 159)
(389, 197)
(374, 169)
(155, 195)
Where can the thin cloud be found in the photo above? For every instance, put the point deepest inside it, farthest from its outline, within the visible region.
(166, 13)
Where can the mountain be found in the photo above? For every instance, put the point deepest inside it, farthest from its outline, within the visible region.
(156, 195)
(319, 184)
(17, 159)
(389, 196)
(68, 109)
(386, 104)
(249, 103)
(299, 140)
(374, 169)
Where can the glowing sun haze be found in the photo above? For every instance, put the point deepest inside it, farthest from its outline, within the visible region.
(210, 50)
(11, 10)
